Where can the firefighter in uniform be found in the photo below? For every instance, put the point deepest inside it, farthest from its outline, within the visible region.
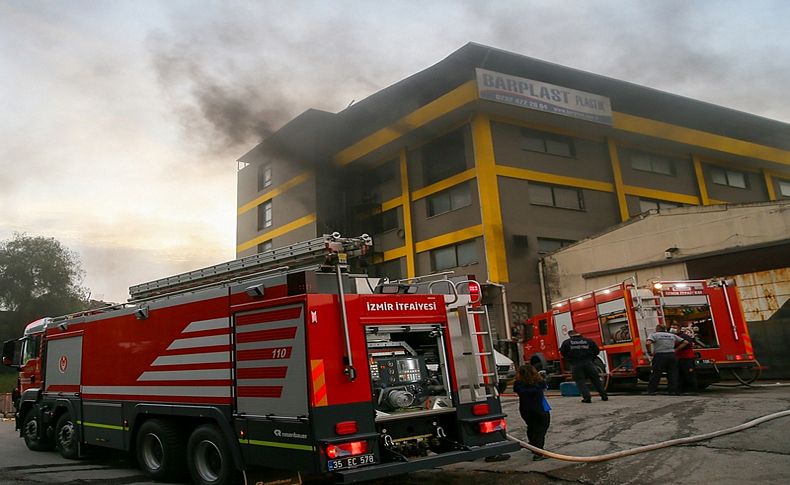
(580, 352)
(661, 348)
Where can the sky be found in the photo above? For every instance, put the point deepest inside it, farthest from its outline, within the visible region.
(121, 121)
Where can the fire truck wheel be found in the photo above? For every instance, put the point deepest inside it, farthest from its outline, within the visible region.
(160, 450)
(66, 437)
(31, 429)
(209, 458)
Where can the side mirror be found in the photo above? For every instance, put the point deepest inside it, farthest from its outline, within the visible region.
(11, 353)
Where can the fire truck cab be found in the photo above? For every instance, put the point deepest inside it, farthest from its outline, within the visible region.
(619, 319)
(272, 362)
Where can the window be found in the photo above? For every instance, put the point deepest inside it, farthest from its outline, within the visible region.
(547, 245)
(264, 175)
(389, 269)
(520, 311)
(387, 221)
(448, 200)
(265, 215)
(386, 172)
(555, 196)
(647, 162)
(462, 254)
(732, 178)
(647, 204)
(265, 246)
(444, 157)
(538, 141)
(520, 241)
(784, 188)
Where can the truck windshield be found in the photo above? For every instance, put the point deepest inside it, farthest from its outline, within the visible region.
(30, 346)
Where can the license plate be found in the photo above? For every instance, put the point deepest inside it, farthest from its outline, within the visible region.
(350, 462)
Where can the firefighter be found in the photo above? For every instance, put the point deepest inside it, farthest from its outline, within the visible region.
(661, 348)
(686, 359)
(580, 352)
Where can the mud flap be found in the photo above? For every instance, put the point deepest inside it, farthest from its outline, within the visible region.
(271, 476)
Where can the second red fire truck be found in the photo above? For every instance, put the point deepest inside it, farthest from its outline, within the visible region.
(620, 317)
(282, 360)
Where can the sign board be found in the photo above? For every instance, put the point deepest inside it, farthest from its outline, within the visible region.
(537, 95)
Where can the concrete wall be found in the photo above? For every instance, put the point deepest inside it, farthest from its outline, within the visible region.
(765, 296)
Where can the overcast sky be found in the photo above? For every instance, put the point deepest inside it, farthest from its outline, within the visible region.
(120, 121)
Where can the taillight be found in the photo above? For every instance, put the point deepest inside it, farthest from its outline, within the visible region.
(643, 361)
(480, 409)
(493, 426)
(346, 449)
(739, 357)
(346, 427)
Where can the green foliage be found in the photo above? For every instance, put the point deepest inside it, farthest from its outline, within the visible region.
(38, 277)
(8, 381)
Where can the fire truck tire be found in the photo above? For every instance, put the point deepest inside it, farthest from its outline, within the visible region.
(160, 450)
(35, 437)
(66, 437)
(209, 458)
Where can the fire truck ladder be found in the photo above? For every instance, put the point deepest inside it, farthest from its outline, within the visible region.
(481, 350)
(651, 309)
(328, 252)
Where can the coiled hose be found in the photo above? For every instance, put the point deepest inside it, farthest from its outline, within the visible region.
(655, 446)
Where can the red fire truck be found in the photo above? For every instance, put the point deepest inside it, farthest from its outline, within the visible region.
(274, 361)
(619, 318)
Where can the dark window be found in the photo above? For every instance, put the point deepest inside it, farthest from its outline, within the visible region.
(450, 199)
(462, 254)
(265, 246)
(264, 175)
(539, 141)
(784, 188)
(444, 157)
(731, 178)
(543, 326)
(648, 162)
(556, 196)
(386, 172)
(265, 215)
(547, 245)
(387, 220)
(648, 204)
(389, 269)
(520, 241)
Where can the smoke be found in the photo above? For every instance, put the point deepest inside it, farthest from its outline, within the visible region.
(221, 107)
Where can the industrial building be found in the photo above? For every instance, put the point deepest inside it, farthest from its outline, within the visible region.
(488, 160)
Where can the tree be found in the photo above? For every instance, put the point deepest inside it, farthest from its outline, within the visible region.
(39, 277)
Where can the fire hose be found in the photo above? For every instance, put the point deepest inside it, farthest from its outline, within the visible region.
(655, 446)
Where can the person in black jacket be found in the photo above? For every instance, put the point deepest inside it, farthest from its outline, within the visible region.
(533, 406)
(580, 352)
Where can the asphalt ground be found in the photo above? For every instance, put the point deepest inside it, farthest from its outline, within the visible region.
(757, 455)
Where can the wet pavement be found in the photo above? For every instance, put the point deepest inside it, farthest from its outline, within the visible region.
(757, 455)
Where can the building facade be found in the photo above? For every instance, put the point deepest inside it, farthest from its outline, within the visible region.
(488, 160)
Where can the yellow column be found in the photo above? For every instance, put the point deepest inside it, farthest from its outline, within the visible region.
(406, 201)
(488, 188)
(618, 179)
(769, 185)
(703, 188)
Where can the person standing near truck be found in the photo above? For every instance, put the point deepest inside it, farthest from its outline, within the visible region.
(580, 352)
(687, 374)
(533, 406)
(661, 348)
